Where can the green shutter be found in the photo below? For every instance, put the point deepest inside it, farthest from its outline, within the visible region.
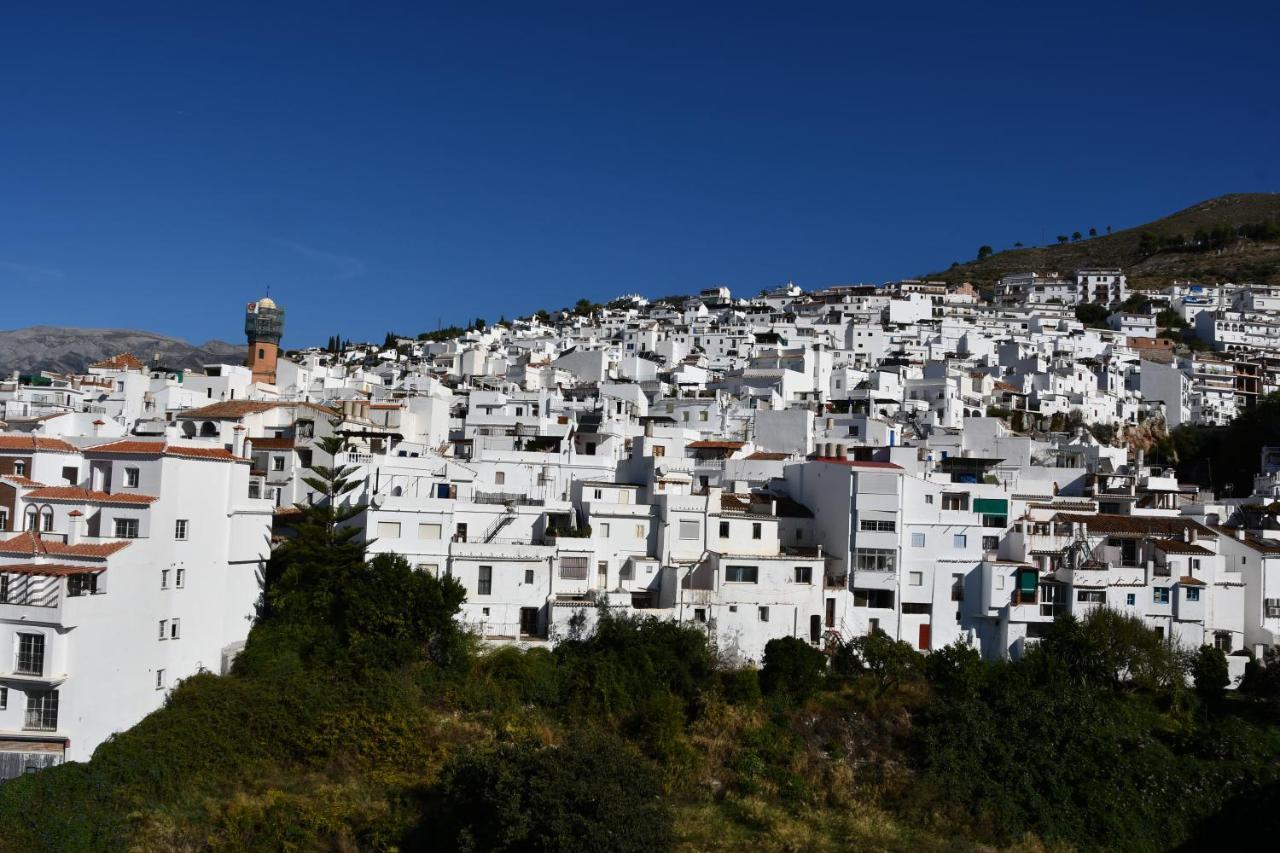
(991, 506)
(1027, 581)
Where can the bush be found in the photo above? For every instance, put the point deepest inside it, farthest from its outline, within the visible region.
(740, 686)
(792, 669)
(1209, 669)
(590, 794)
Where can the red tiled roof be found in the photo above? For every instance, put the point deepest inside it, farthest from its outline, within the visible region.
(1187, 580)
(858, 463)
(75, 493)
(768, 456)
(236, 409)
(161, 448)
(1174, 546)
(716, 445)
(35, 442)
(30, 543)
(272, 443)
(49, 569)
(1141, 524)
(19, 480)
(123, 361)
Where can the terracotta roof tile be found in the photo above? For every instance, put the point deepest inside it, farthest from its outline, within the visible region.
(1145, 525)
(122, 361)
(236, 409)
(768, 456)
(75, 493)
(272, 443)
(1174, 546)
(1187, 580)
(161, 448)
(35, 442)
(24, 482)
(50, 569)
(716, 445)
(29, 544)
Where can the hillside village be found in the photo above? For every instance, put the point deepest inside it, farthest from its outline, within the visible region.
(913, 458)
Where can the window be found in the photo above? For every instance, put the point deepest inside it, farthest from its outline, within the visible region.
(1271, 607)
(957, 587)
(627, 571)
(126, 528)
(1222, 640)
(915, 578)
(1091, 596)
(928, 499)
(917, 540)
(959, 540)
(164, 578)
(1160, 595)
(915, 608)
(878, 525)
(763, 613)
(804, 574)
(429, 530)
(4, 698)
(29, 521)
(991, 543)
(528, 576)
(574, 568)
(873, 560)
(20, 468)
(598, 494)
(878, 598)
(30, 654)
(4, 519)
(180, 529)
(1131, 599)
(659, 450)
(1192, 593)
(700, 615)
(86, 584)
(484, 581)
(956, 501)
(724, 530)
(131, 478)
(180, 578)
(756, 530)
(689, 530)
(175, 626)
(741, 574)
(42, 711)
(388, 530)
(277, 463)
(159, 679)
(46, 519)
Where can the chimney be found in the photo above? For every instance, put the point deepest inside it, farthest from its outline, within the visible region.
(98, 425)
(237, 441)
(73, 526)
(1193, 535)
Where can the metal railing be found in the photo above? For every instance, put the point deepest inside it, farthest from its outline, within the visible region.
(30, 590)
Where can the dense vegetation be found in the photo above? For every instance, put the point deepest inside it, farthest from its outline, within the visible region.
(359, 717)
(1226, 458)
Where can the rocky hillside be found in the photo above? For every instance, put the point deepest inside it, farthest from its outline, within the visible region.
(66, 349)
(1229, 238)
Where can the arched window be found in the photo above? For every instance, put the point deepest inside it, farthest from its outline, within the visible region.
(29, 519)
(209, 429)
(188, 429)
(20, 468)
(46, 519)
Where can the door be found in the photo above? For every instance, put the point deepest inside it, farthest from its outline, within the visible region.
(831, 612)
(462, 533)
(528, 621)
(815, 628)
(924, 636)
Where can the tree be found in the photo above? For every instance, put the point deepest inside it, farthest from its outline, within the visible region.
(1076, 235)
(984, 252)
(1093, 232)
(1209, 669)
(1092, 314)
(593, 793)
(1062, 238)
(1017, 245)
(792, 668)
(890, 662)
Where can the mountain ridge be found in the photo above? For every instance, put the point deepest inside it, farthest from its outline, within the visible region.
(71, 349)
(1159, 252)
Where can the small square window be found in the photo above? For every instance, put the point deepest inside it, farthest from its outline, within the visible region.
(1131, 599)
(1193, 593)
(763, 613)
(528, 576)
(928, 499)
(131, 477)
(917, 540)
(915, 578)
(959, 540)
(724, 530)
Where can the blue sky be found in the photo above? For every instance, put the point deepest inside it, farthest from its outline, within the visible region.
(392, 166)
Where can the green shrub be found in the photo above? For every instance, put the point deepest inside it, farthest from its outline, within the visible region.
(792, 669)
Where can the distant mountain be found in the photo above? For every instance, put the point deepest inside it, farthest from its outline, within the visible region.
(70, 350)
(1230, 238)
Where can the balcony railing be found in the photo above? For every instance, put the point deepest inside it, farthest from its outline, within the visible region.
(30, 590)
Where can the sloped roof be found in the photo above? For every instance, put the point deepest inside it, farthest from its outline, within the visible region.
(121, 361)
(50, 569)
(31, 543)
(163, 448)
(75, 493)
(1144, 525)
(35, 442)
